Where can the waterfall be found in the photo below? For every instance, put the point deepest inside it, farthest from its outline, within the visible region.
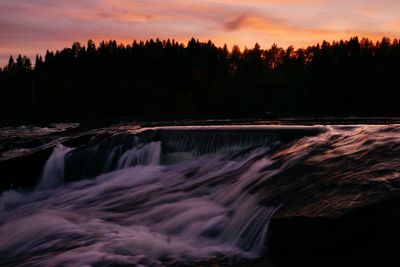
(53, 172)
(141, 155)
(158, 199)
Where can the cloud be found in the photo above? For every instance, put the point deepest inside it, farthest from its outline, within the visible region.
(31, 27)
(237, 22)
(255, 21)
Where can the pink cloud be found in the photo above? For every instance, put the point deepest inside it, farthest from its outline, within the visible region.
(31, 27)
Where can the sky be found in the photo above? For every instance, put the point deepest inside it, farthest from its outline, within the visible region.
(31, 27)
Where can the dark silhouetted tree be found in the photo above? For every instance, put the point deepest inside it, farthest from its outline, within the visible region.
(167, 79)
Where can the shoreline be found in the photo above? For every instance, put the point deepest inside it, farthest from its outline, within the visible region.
(115, 121)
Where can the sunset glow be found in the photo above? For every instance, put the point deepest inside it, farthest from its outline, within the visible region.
(30, 27)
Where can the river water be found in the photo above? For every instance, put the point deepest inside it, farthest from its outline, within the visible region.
(183, 196)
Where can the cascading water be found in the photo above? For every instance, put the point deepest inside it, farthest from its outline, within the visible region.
(149, 200)
(146, 154)
(53, 173)
(145, 207)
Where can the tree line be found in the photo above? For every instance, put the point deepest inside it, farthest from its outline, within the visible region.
(168, 79)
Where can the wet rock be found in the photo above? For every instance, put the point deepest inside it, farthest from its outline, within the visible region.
(23, 172)
(364, 236)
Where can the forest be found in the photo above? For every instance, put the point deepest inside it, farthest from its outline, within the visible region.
(159, 79)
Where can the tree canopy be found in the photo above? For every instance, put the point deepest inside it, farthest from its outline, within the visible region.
(167, 79)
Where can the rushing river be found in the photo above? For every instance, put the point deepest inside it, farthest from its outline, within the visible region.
(129, 200)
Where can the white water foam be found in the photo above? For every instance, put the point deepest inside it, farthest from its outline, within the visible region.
(144, 215)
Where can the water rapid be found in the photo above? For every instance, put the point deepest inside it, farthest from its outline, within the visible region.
(176, 199)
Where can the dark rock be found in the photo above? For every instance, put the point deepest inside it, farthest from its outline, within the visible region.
(365, 236)
(23, 172)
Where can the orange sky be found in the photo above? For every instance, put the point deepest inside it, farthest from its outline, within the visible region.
(32, 26)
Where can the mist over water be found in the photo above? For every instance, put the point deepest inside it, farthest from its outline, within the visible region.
(125, 201)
